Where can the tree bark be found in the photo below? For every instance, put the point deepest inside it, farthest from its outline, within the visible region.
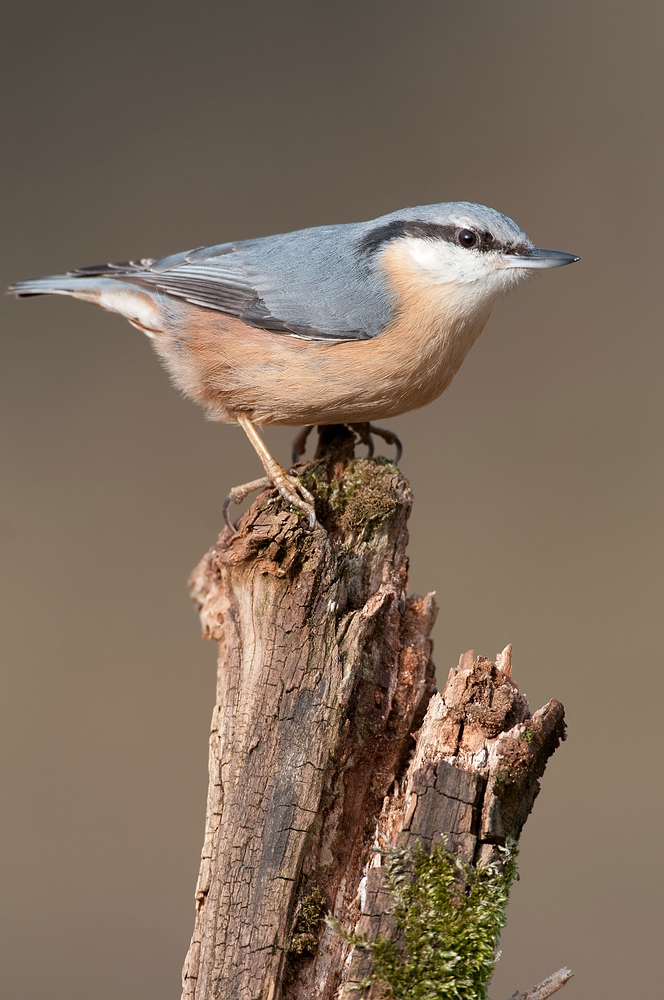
(328, 741)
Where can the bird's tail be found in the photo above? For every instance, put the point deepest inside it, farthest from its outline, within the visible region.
(138, 305)
(54, 284)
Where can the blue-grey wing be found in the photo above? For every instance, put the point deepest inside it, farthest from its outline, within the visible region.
(311, 284)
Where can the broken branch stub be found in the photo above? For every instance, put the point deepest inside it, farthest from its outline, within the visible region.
(324, 675)
(471, 782)
(547, 987)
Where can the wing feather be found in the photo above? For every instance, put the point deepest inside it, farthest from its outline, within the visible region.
(213, 277)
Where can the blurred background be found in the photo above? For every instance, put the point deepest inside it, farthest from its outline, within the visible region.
(138, 129)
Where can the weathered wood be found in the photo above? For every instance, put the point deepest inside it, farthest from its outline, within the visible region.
(324, 669)
(324, 676)
(472, 780)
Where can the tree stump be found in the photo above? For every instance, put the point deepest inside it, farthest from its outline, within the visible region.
(328, 740)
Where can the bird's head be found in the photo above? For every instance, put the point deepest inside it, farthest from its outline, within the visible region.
(473, 251)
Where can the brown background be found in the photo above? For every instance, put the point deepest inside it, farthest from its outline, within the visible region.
(144, 128)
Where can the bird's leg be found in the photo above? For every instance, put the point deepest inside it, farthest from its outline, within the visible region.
(300, 443)
(364, 437)
(289, 486)
(364, 432)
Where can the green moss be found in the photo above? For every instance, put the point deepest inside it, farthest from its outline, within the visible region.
(360, 498)
(310, 913)
(450, 915)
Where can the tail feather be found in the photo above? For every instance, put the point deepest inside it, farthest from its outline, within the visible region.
(54, 284)
(140, 306)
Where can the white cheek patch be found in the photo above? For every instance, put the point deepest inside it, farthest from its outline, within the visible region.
(479, 274)
(134, 306)
(445, 262)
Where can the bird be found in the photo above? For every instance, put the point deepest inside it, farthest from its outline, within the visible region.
(337, 324)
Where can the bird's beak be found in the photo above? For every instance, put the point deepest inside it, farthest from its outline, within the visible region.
(535, 257)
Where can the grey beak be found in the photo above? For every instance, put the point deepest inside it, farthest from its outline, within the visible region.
(535, 257)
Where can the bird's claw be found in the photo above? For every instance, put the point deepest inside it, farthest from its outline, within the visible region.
(293, 490)
(240, 493)
(290, 487)
(365, 431)
(364, 436)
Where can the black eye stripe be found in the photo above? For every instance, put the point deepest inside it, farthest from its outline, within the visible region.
(517, 248)
(376, 238)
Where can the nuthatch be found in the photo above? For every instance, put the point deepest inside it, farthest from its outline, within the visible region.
(340, 324)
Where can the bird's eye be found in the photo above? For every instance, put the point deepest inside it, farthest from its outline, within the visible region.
(466, 238)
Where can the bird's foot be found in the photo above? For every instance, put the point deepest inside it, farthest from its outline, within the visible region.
(365, 431)
(295, 492)
(364, 434)
(290, 487)
(240, 493)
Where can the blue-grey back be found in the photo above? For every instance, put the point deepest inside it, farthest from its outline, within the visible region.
(318, 279)
(324, 278)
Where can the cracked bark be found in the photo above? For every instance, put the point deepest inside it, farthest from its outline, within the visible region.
(325, 675)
